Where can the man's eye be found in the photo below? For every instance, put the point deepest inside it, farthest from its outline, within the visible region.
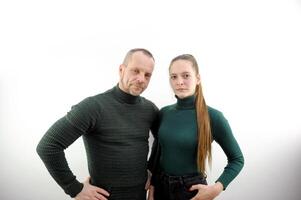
(136, 71)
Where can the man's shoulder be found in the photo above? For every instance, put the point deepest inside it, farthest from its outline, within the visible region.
(93, 100)
(102, 95)
(149, 103)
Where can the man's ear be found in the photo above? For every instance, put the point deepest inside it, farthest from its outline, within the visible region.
(121, 68)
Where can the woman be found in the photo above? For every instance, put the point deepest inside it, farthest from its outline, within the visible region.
(183, 146)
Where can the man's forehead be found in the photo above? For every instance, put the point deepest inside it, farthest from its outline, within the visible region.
(142, 63)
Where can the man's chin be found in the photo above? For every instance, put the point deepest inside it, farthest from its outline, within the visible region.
(136, 92)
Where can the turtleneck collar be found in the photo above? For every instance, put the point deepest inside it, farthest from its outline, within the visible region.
(186, 103)
(125, 97)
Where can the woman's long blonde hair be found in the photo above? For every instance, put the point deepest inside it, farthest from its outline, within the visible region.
(203, 120)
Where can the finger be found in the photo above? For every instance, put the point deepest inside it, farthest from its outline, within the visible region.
(102, 191)
(151, 189)
(150, 196)
(196, 187)
(100, 197)
(151, 192)
(149, 177)
(97, 189)
(95, 198)
(147, 184)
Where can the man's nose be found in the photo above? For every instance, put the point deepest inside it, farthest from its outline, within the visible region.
(141, 78)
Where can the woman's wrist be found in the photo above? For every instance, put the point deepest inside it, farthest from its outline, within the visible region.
(218, 188)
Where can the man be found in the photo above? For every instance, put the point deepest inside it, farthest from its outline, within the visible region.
(115, 128)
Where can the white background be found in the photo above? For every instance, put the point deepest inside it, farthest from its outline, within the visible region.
(55, 53)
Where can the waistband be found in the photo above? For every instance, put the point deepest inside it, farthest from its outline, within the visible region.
(183, 178)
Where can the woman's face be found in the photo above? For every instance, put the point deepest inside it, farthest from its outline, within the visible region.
(183, 78)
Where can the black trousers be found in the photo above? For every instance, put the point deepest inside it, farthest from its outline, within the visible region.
(176, 187)
(127, 193)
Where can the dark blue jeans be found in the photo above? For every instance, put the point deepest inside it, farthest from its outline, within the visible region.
(176, 187)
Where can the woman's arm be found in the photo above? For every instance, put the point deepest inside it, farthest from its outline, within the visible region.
(223, 135)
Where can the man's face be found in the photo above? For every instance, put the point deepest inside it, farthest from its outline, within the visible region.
(135, 76)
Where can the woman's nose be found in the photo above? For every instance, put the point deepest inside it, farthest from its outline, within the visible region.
(180, 81)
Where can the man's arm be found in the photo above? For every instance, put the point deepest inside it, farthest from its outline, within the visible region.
(79, 120)
(153, 161)
(51, 150)
(154, 130)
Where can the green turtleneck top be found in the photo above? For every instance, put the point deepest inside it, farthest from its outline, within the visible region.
(178, 140)
(115, 128)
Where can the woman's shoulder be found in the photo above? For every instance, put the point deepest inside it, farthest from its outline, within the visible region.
(168, 108)
(214, 113)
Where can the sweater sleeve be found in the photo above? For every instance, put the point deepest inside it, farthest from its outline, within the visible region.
(151, 163)
(223, 135)
(154, 158)
(59, 136)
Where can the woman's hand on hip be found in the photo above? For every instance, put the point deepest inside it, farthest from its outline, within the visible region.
(207, 192)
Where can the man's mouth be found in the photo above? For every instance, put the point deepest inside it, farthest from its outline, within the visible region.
(138, 87)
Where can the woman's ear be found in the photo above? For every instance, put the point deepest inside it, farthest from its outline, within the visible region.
(198, 78)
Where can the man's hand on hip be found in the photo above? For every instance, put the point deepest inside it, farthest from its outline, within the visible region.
(91, 192)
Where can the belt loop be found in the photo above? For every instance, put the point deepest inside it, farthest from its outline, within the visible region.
(181, 180)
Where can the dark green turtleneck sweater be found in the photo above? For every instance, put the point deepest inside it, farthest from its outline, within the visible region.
(115, 128)
(178, 140)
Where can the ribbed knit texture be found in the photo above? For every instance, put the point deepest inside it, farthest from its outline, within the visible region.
(178, 140)
(115, 128)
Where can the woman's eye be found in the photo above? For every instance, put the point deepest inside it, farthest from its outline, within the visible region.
(186, 75)
(173, 77)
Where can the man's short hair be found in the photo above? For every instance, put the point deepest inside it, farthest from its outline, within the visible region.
(132, 51)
